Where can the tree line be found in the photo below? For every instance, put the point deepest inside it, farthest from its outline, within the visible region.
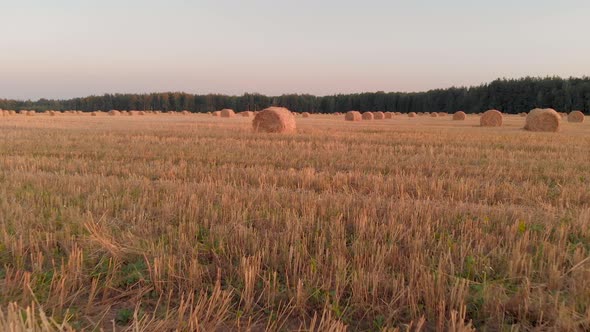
(506, 95)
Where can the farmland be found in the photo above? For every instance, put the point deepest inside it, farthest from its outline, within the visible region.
(193, 222)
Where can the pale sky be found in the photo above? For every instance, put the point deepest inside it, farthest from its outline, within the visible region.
(68, 48)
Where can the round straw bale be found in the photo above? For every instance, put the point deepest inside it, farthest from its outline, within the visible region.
(491, 118)
(575, 116)
(389, 115)
(523, 114)
(434, 115)
(379, 115)
(274, 120)
(353, 116)
(368, 116)
(542, 120)
(114, 112)
(94, 114)
(460, 115)
(305, 114)
(216, 113)
(227, 113)
(412, 114)
(185, 112)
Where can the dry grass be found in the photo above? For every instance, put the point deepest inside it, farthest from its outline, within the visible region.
(163, 223)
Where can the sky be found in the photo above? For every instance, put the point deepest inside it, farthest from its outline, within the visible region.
(76, 48)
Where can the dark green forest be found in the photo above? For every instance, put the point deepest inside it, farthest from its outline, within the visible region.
(506, 95)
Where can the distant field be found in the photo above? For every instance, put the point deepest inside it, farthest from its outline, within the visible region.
(195, 223)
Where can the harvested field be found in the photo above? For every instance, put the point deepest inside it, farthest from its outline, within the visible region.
(166, 222)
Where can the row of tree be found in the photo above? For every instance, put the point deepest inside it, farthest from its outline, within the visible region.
(507, 95)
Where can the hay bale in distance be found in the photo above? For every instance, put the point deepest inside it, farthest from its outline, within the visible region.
(460, 115)
(434, 115)
(389, 115)
(543, 120)
(216, 113)
(379, 115)
(575, 116)
(368, 116)
(274, 120)
(114, 112)
(353, 116)
(491, 118)
(412, 114)
(227, 113)
(305, 114)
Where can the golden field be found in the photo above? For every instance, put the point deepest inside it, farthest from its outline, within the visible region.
(195, 223)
